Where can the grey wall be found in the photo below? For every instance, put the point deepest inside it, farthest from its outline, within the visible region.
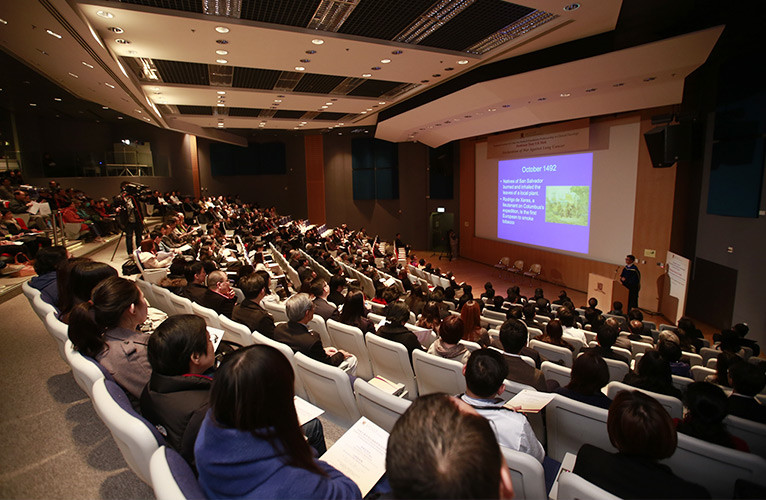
(408, 215)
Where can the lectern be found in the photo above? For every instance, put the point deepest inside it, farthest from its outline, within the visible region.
(607, 290)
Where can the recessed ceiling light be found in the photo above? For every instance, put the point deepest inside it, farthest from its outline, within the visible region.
(220, 124)
(3, 21)
(363, 112)
(87, 65)
(73, 75)
(571, 7)
(382, 102)
(33, 104)
(366, 75)
(53, 33)
(396, 52)
(105, 14)
(222, 29)
(222, 52)
(304, 123)
(109, 85)
(341, 124)
(116, 29)
(463, 61)
(221, 92)
(119, 118)
(220, 105)
(222, 42)
(324, 107)
(385, 61)
(317, 41)
(565, 94)
(137, 111)
(300, 68)
(492, 109)
(329, 103)
(104, 107)
(277, 100)
(122, 41)
(221, 61)
(58, 99)
(369, 109)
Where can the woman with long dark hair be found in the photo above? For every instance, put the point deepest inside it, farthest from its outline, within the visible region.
(76, 279)
(430, 317)
(554, 335)
(354, 313)
(104, 328)
(250, 444)
(473, 331)
(589, 374)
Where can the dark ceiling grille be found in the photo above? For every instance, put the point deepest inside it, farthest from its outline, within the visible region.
(318, 84)
(286, 12)
(195, 110)
(184, 5)
(182, 72)
(251, 78)
(383, 19)
(475, 23)
(288, 113)
(330, 116)
(374, 88)
(245, 112)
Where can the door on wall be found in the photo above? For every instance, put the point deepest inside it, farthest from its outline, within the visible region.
(439, 226)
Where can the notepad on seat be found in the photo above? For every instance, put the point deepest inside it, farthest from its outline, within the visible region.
(387, 386)
(528, 401)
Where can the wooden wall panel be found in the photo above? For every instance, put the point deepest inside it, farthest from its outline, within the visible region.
(652, 227)
(315, 195)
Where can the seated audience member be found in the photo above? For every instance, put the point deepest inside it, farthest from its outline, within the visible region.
(448, 344)
(689, 335)
(617, 309)
(394, 330)
(70, 216)
(297, 335)
(513, 295)
(562, 298)
(553, 335)
(83, 276)
(706, 407)
(513, 337)
(337, 284)
(654, 375)
(589, 375)
(472, 329)
(530, 311)
(104, 328)
(489, 291)
(723, 362)
(747, 380)
(176, 397)
(431, 317)
(497, 304)
(150, 256)
(321, 290)
(606, 337)
(441, 448)
(636, 329)
(567, 319)
(250, 444)
(467, 296)
(643, 433)
(484, 375)
(416, 300)
(670, 350)
(742, 330)
(636, 314)
(249, 312)
(219, 296)
(354, 312)
(195, 282)
(47, 261)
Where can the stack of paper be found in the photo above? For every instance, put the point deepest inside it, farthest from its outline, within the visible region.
(529, 401)
(387, 386)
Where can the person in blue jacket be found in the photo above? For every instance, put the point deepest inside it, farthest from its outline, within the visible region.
(250, 444)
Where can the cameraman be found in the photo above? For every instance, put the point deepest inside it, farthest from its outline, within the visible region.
(129, 214)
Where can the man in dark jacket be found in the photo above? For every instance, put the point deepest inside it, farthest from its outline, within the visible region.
(249, 312)
(394, 330)
(219, 296)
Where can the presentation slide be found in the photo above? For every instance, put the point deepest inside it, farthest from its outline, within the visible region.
(545, 201)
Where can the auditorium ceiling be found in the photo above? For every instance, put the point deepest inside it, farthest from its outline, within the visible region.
(416, 70)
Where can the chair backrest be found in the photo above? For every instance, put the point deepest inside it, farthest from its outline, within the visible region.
(235, 332)
(42, 308)
(573, 487)
(391, 360)
(150, 275)
(695, 359)
(518, 266)
(58, 330)
(640, 347)
(527, 475)
(492, 322)
(148, 291)
(209, 315)
(172, 477)
(86, 370)
(493, 314)
(617, 369)
(571, 424)
(425, 338)
(700, 372)
(707, 353)
(552, 352)
(134, 435)
(554, 371)
(673, 405)
(715, 467)
(534, 332)
(753, 433)
(317, 324)
(162, 299)
(29, 291)
(471, 346)
(182, 305)
(680, 382)
(375, 318)
(277, 310)
(351, 339)
(258, 338)
(382, 408)
(329, 388)
(437, 374)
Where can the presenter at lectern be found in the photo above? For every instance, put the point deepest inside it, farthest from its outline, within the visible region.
(631, 279)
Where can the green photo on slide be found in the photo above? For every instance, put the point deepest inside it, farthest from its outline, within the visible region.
(567, 205)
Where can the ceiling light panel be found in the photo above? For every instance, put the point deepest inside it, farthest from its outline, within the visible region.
(331, 14)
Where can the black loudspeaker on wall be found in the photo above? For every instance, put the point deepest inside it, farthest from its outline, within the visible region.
(668, 143)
